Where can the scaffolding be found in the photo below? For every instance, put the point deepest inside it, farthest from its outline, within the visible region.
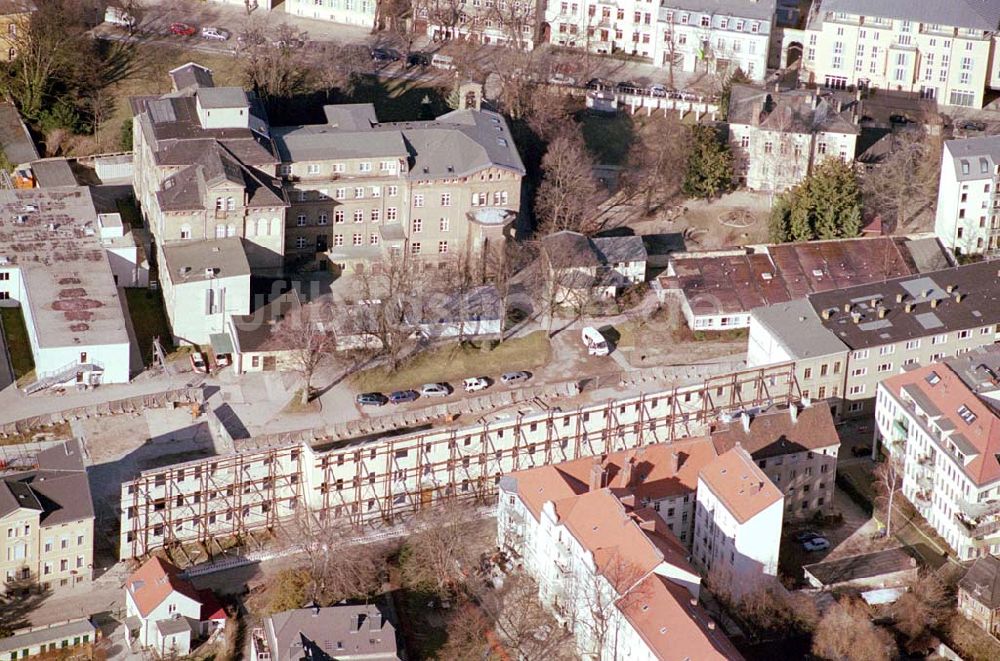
(379, 481)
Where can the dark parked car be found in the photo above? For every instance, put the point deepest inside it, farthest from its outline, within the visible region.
(599, 84)
(628, 87)
(401, 396)
(385, 55)
(972, 126)
(861, 451)
(899, 119)
(371, 399)
(418, 60)
(806, 535)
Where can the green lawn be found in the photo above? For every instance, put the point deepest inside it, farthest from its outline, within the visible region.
(18, 345)
(453, 362)
(149, 320)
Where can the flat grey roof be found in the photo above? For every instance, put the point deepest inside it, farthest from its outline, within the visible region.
(319, 142)
(978, 14)
(41, 635)
(15, 140)
(53, 172)
(799, 330)
(225, 256)
(52, 236)
(857, 567)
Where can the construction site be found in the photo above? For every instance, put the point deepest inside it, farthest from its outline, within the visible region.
(383, 479)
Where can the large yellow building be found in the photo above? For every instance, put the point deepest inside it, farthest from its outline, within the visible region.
(47, 521)
(13, 17)
(941, 50)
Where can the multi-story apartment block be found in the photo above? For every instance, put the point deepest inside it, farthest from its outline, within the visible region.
(606, 565)
(843, 342)
(510, 23)
(205, 167)
(779, 137)
(943, 51)
(434, 189)
(383, 478)
(691, 35)
(941, 421)
(349, 12)
(47, 521)
(796, 448)
(968, 206)
(737, 522)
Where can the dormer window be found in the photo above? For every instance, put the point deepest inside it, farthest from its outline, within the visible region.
(965, 167)
(966, 414)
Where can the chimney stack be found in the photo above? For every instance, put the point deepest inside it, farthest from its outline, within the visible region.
(758, 110)
(675, 462)
(596, 475)
(909, 307)
(793, 410)
(627, 472)
(826, 313)
(847, 307)
(899, 297)
(934, 302)
(882, 312)
(745, 419)
(959, 296)
(950, 288)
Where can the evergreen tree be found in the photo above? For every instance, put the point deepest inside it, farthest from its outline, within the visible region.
(710, 164)
(824, 205)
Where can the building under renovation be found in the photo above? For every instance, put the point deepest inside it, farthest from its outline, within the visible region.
(372, 481)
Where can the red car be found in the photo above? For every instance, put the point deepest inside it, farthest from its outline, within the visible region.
(182, 29)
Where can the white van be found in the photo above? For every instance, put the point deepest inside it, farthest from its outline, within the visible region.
(120, 17)
(595, 342)
(443, 61)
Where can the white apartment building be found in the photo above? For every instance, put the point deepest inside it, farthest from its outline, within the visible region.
(844, 341)
(777, 138)
(737, 522)
(968, 206)
(679, 35)
(63, 264)
(607, 567)
(204, 284)
(349, 12)
(941, 50)
(942, 422)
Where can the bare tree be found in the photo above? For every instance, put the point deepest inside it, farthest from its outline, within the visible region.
(279, 72)
(616, 586)
(523, 626)
(847, 632)
(390, 288)
(333, 569)
(307, 333)
(889, 478)
(925, 607)
(446, 15)
(653, 173)
(568, 195)
(905, 182)
(442, 555)
(500, 271)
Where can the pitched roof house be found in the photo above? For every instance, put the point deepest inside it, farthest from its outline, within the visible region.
(344, 633)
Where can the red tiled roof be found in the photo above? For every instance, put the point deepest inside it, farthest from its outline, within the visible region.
(740, 484)
(948, 395)
(673, 628)
(774, 433)
(156, 580)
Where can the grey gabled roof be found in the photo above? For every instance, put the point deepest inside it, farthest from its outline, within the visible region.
(191, 75)
(978, 14)
(58, 489)
(222, 97)
(982, 581)
(616, 249)
(797, 327)
(315, 142)
(976, 152)
(333, 632)
(759, 9)
(794, 111)
(51, 634)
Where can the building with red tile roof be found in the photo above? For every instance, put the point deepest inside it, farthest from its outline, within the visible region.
(738, 522)
(941, 421)
(164, 610)
(589, 533)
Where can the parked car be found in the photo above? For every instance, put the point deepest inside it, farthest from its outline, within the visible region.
(562, 80)
(599, 84)
(371, 399)
(384, 55)
(182, 29)
(418, 60)
(475, 384)
(861, 451)
(628, 87)
(435, 390)
(215, 34)
(816, 544)
(445, 62)
(510, 378)
(401, 396)
(198, 362)
(899, 119)
(972, 126)
(658, 90)
(806, 535)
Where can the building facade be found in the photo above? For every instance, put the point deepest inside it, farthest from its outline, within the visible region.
(678, 35)
(349, 12)
(737, 523)
(941, 422)
(778, 138)
(941, 51)
(510, 23)
(979, 594)
(968, 206)
(844, 342)
(48, 518)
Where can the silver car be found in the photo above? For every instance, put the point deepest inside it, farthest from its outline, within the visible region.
(511, 378)
(435, 390)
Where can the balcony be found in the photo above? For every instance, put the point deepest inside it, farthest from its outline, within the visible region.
(899, 429)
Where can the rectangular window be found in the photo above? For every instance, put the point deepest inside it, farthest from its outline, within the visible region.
(416, 226)
(442, 247)
(444, 224)
(359, 215)
(446, 199)
(418, 201)
(390, 214)
(415, 248)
